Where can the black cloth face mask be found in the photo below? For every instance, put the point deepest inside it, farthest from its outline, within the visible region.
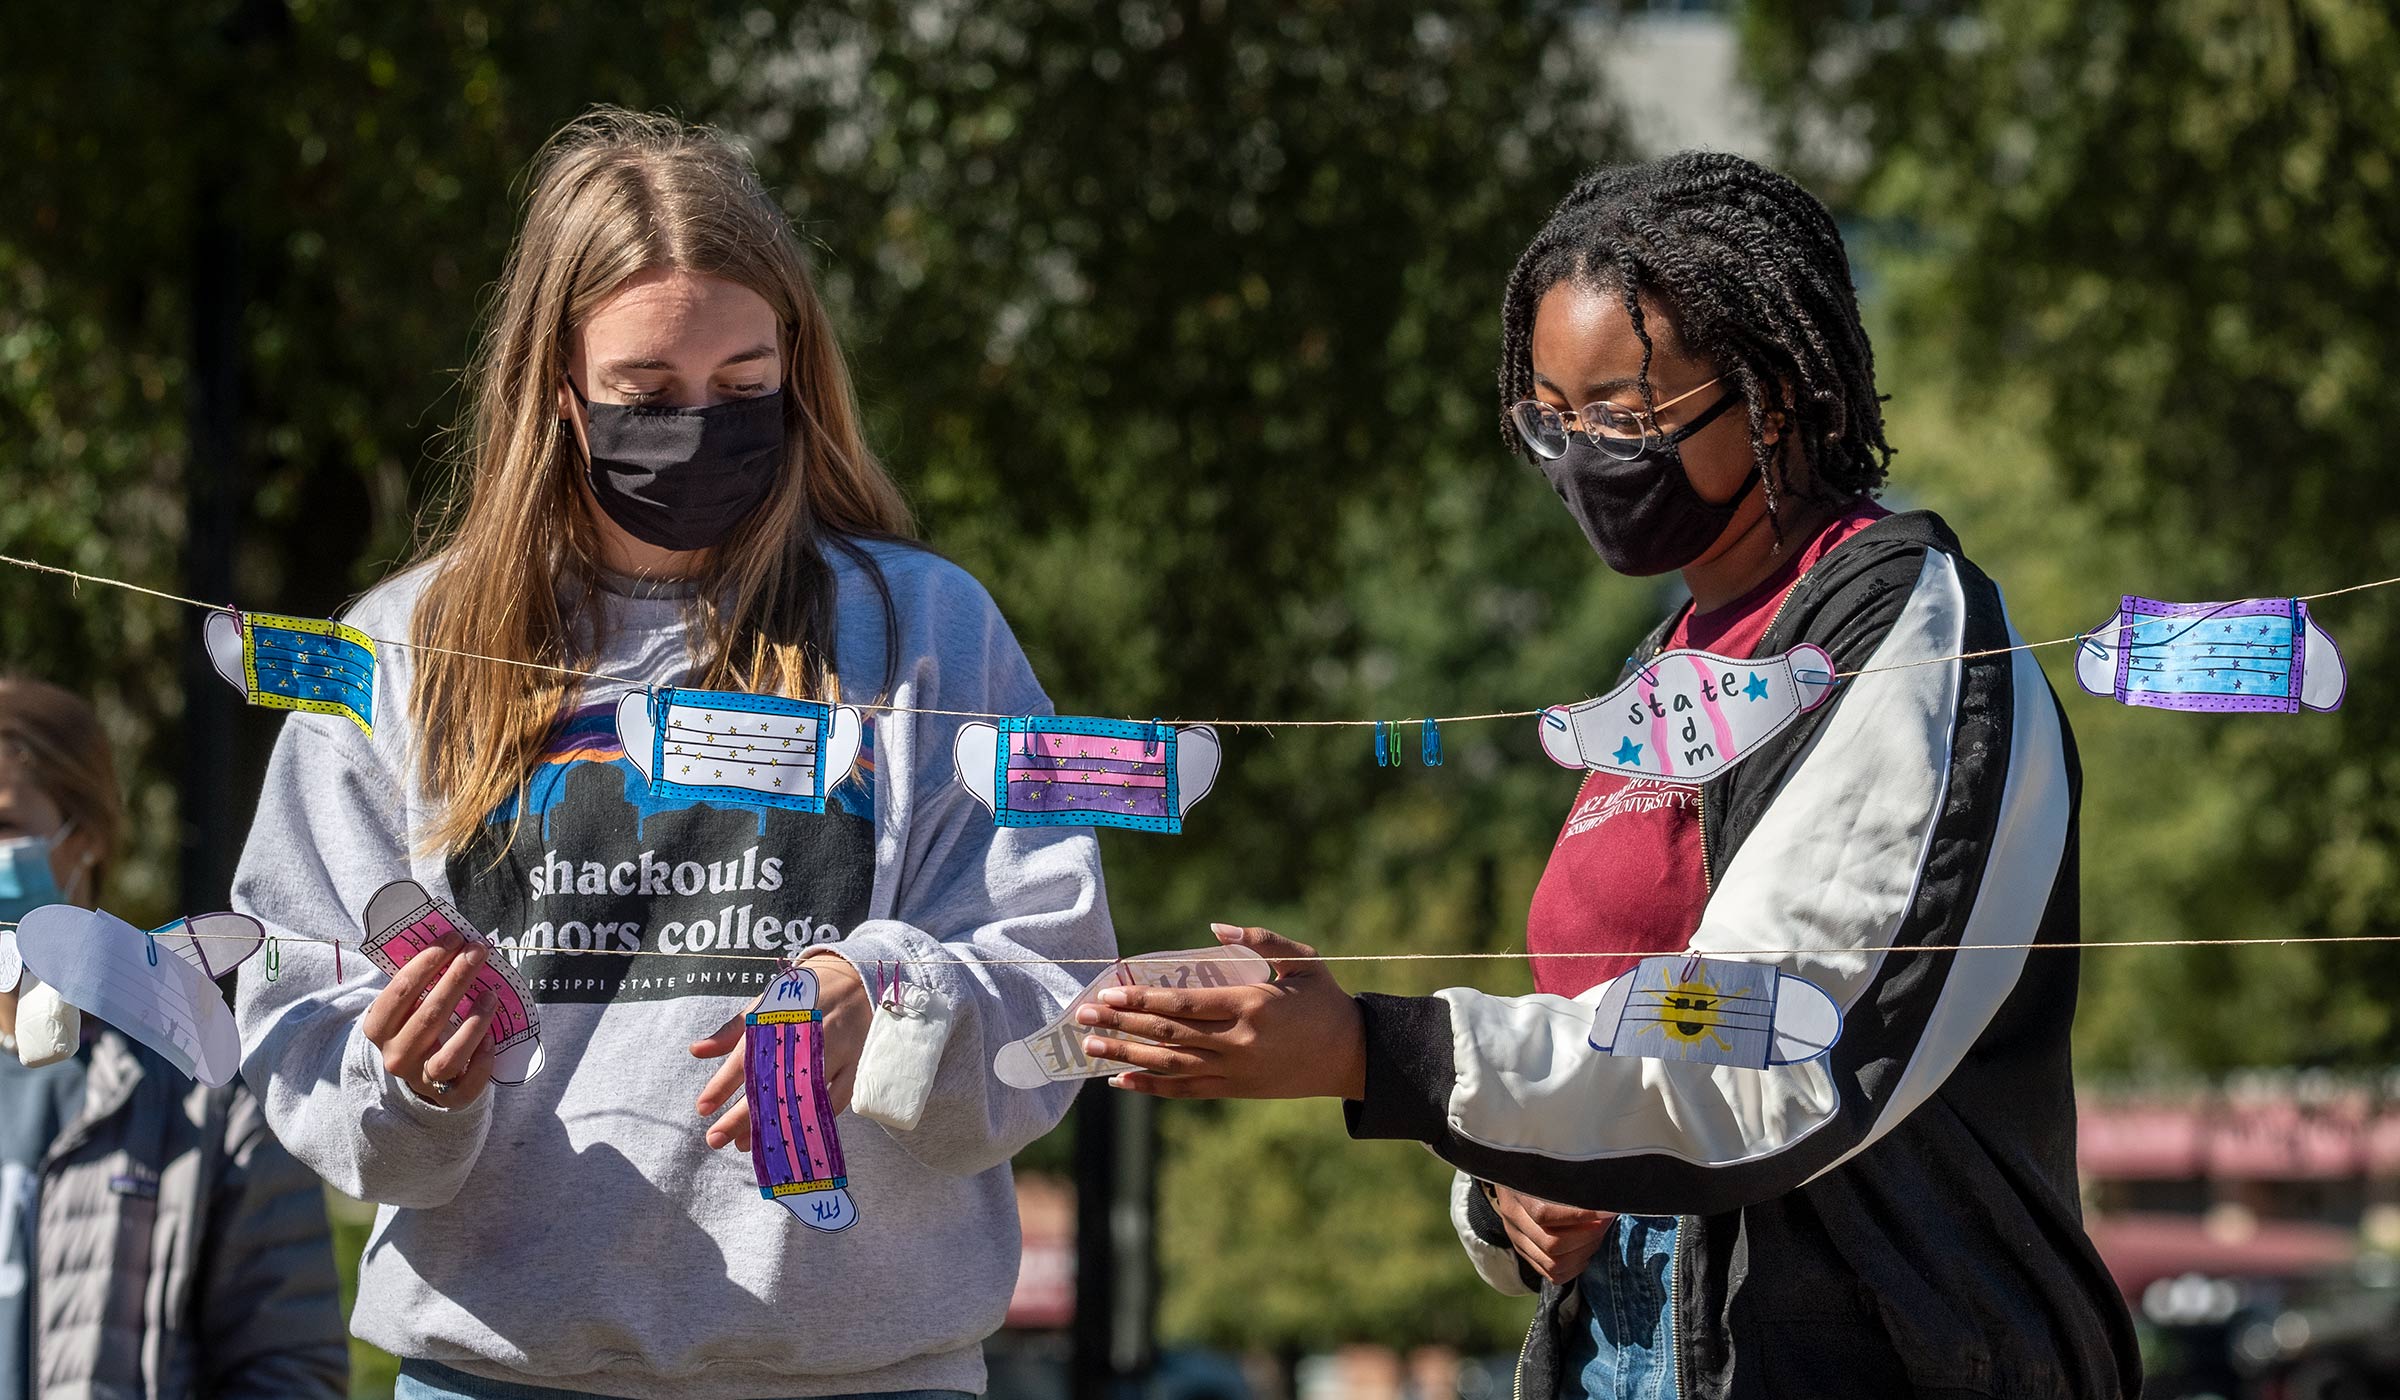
(1641, 514)
(683, 478)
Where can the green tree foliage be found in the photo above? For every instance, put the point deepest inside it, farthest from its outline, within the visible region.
(1176, 319)
(1179, 320)
(2143, 258)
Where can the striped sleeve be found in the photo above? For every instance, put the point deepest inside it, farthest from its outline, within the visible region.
(1930, 810)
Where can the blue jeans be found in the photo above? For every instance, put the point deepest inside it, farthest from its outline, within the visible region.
(430, 1380)
(1625, 1349)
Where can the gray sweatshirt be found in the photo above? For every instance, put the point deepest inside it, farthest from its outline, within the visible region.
(575, 1230)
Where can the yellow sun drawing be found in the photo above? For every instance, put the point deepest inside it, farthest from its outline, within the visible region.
(1690, 1011)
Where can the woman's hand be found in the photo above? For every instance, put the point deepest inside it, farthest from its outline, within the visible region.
(842, 1007)
(411, 1024)
(1297, 1037)
(1558, 1241)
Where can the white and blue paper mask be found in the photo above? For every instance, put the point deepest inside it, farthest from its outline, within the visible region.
(1687, 716)
(732, 746)
(2255, 654)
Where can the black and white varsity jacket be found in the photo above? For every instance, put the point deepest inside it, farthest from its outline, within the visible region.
(1899, 1217)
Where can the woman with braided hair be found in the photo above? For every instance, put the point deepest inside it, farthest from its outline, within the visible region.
(1682, 358)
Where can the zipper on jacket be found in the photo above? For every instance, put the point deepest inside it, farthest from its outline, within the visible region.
(1674, 1306)
(1516, 1382)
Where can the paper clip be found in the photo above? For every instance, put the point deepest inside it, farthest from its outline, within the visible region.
(1429, 743)
(337, 962)
(1154, 748)
(274, 958)
(1383, 745)
(152, 940)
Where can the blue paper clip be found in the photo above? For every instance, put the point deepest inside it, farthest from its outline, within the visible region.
(1383, 745)
(1429, 743)
(152, 949)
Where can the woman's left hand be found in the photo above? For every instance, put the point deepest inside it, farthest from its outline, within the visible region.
(842, 1004)
(1297, 1037)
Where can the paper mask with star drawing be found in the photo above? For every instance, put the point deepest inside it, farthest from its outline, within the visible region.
(1686, 716)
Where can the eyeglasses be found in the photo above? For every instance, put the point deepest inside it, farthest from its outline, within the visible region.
(1622, 433)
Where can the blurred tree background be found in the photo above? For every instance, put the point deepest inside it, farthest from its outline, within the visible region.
(1177, 319)
(2139, 263)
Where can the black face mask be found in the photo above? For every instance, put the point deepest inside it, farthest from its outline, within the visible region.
(1642, 515)
(683, 478)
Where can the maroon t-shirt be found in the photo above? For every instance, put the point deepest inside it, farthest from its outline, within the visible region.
(1626, 874)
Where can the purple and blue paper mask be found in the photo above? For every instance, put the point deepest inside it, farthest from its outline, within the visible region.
(1045, 770)
(2254, 654)
(1688, 715)
(731, 746)
(795, 1151)
(295, 663)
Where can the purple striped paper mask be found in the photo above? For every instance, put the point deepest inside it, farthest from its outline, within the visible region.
(794, 1149)
(1044, 770)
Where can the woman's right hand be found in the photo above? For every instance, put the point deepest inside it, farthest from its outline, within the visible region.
(1558, 1241)
(411, 1024)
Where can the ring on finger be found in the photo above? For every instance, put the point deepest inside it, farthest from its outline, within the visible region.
(442, 1086)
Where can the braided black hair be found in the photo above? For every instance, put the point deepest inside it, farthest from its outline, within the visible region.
(1752, 270)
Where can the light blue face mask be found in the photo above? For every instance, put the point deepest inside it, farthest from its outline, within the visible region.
(25, 880)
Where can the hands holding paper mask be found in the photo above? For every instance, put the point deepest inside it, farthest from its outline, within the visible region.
(845, 1009)
(1294, 1038)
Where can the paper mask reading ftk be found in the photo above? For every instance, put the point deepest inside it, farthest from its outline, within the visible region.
(794, 1148)
(1686, 716)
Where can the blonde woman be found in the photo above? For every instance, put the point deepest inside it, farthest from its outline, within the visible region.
(663, 482)
(155, 1239)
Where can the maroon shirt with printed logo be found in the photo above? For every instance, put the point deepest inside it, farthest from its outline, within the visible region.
(1625, 877)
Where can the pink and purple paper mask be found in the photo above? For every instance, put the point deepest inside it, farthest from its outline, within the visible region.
(793, 1146)
(2255, 654)
(1687, 716)
(1045, 770)
(402, 920)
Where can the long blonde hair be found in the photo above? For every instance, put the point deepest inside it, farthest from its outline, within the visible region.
(616, 193)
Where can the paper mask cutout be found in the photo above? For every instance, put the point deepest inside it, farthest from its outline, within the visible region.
(1714, 1011)
(12, 966)
(1055, 1052)
(402, 920)
(1047, 770)
(2258, 654)
(295, 663)
(731, 746)
(104, 965)
(1688, 715)
(216, 944)
(793, 1145)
